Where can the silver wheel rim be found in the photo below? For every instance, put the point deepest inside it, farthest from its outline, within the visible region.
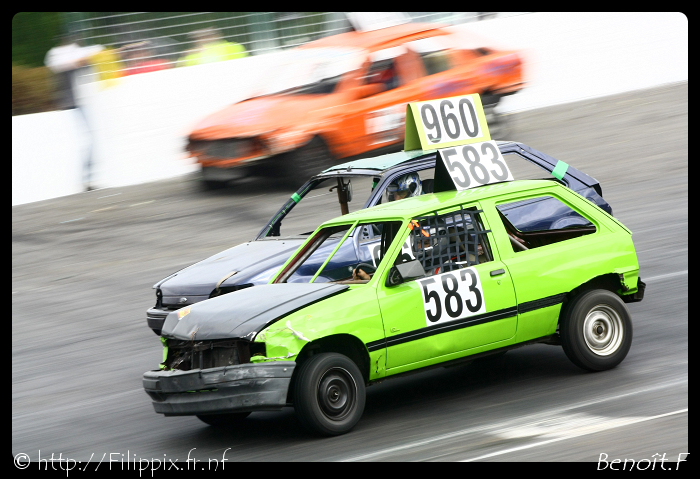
(603, 330)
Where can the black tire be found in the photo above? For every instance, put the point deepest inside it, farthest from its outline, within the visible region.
(309, 160)
(223, 420)
(596, 330)
(329, 394)
(210, 185)
(213, 178)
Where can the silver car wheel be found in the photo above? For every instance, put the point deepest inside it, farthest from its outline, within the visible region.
(603, 330)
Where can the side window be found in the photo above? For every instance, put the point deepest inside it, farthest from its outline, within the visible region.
(447, 242)
(435, 62)
(408, 185)
(433, 52)
(363, 250)
(541, 221)
(383, 71)
(373, 240)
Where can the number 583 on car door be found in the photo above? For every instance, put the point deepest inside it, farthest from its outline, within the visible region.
(453, 295)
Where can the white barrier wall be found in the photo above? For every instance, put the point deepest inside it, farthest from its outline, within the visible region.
(140, 124)
(575, 56)
(46, 152)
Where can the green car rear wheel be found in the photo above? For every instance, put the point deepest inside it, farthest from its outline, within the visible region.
(596, 330)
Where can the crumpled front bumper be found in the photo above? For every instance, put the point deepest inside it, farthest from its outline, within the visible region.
(239, 388)
(156, 318)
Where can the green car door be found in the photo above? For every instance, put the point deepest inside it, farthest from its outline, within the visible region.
(464, 300)
(549, 251)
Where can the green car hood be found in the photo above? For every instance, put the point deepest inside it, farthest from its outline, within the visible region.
(241, 314)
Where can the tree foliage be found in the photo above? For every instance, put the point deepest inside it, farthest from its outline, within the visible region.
(33, 85)
(33, 90)
(34, 34)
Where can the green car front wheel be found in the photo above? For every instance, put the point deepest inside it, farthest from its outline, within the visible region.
(329, 394)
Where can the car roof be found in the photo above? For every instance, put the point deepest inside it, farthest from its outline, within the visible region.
(420, 205)
(383, 162)
(376, 39)
(379, 163)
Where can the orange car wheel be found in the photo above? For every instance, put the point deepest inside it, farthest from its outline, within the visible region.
(301, 164)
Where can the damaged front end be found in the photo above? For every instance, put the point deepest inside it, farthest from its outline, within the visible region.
(216, 377)
(188, 355)
(214, 364)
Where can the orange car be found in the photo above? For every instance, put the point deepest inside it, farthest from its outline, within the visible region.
(343, 96)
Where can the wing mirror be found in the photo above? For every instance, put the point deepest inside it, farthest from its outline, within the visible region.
(348, 190)
(345, 191)
(403, 272)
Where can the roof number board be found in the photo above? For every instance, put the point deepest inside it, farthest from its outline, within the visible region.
(445, 122)
(475, 165)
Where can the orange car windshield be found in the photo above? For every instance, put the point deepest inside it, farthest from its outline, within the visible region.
(311, 70)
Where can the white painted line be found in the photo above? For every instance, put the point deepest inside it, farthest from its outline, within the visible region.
(71, 220)
(115, 194)
(103, 209)
(419, 443)
(515, 421)
(316, 196)
(143, 203)
(571, 436)
(663, 276)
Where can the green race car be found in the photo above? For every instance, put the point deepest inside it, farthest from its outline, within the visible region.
(449, 277)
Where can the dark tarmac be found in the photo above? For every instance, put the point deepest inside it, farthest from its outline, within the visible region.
(83, 267)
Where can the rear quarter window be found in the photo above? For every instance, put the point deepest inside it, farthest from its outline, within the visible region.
(540, 221)
(436, 62)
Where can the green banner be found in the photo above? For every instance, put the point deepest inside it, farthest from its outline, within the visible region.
(560, 170)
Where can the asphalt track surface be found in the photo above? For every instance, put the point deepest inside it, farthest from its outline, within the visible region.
(83, 267)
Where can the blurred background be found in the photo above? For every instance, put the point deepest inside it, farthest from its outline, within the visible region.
(164, 38)
(120, 92)
(117, 102)
(110, 99)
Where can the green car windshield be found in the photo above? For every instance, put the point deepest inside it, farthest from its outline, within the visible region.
(334, 252)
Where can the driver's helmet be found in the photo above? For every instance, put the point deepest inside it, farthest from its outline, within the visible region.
(404, 186)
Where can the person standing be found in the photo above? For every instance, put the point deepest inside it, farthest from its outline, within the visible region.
(68, 61)
(210, 47)
(141, 58)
